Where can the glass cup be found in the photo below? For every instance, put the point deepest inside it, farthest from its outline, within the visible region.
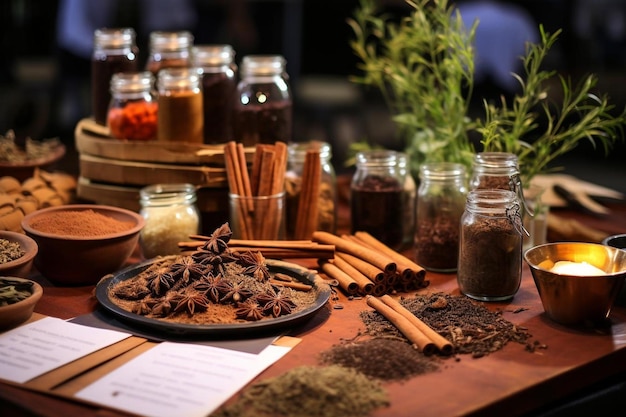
(258, 217)
(537, 225)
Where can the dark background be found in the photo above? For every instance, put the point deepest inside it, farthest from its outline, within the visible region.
(44, 90)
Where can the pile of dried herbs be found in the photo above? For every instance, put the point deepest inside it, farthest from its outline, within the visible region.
(471, 327)
(32, 150)
(309, 391)
(10, 251)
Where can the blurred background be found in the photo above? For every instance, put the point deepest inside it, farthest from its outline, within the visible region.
(46, 47)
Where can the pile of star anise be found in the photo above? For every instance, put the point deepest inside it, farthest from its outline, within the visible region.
(212, 274)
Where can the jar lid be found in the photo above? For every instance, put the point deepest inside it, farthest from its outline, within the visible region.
(114, 38)
(175, 79)
(379, 157)
(132, 82)
(167, 194)
(297, 150)
(212, 55)
(170, 41)
(263, 65)
(442, 170)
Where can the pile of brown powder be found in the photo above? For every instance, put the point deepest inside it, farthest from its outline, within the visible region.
(382, 358)
(472, 328)
(83, 223)
(327, 391)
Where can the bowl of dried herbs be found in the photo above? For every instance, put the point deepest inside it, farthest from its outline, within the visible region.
(17, 253)
(18, 298)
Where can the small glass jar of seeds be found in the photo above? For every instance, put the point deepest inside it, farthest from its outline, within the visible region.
(490, 248)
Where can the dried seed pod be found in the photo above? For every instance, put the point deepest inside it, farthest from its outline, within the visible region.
(12, 221)
(47, 197)
(10, 185)
(7, 203)
(26, 203)
(33, 183)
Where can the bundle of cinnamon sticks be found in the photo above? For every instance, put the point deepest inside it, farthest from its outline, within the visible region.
(256, 204)
(363, 265)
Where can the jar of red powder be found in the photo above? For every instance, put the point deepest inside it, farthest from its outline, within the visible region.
(263, 107)
(133, 108)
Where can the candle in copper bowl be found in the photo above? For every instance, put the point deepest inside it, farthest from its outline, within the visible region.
(578, 283)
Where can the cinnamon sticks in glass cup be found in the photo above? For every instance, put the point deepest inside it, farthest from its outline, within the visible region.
(257, 217)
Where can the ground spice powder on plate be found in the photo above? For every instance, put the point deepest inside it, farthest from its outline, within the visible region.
(82, 223)
(309, 391)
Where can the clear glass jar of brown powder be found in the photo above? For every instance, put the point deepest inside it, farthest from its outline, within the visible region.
(490, 248)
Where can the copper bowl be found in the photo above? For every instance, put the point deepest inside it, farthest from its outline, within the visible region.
(21, 266)
(574, 299)
(68, 259)
(14, 314)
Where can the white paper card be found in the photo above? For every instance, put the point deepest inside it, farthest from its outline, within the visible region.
(178, 379)
(43, 345)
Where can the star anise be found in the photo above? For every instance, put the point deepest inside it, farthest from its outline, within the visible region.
(160, 281)
(164, 305)
(254, 265)
(249, 310)
(212, 260)
(191, 301)
(218, 241)
(144, 306)
(186, 269)
(214, 286)
(133, 291)
(237, 292)
(275, 302)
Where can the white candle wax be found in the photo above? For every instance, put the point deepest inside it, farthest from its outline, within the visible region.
(582, 269)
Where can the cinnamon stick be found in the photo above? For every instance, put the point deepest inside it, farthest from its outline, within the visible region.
(415, 336)
(280, 167)
(366, 286)
(378, 259)
(346, 282)
(375, 274)
(443, 344)
(405, 265)
(307, 217)
(299, 286)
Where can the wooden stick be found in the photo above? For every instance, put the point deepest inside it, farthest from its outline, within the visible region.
(366, 286)
(378, 259)
(415, 336)
(345, 281)
(443, 344)
(280, 167)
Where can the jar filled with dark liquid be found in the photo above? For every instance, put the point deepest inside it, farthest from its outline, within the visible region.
(180, 117)
(377, 203)
(169, 50)
(114, 51)
(219, 72)
(263, 105)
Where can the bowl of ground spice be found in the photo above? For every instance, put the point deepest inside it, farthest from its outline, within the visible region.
(17, 253)
(81, 243)
(18, 298)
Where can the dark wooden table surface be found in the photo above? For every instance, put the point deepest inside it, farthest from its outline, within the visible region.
(512, 381)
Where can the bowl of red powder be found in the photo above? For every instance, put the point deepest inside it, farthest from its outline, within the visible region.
(81, 243)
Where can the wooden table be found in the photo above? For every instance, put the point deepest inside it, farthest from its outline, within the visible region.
(511, 382)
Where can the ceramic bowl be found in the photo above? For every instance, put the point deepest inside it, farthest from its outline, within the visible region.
(92, 243)
(26, 169)
(575, 299)
(14, 314)
(21, 266)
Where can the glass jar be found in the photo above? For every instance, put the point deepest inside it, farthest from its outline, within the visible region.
(263, 104)
(171, 216)
(440, 205)
(490, 249)
(219, 72)
(327, 200)
(169, 50)
(114, 51)
(409, 201)
(133, 109)
(495, 170)
(377, 196)
(180, 106)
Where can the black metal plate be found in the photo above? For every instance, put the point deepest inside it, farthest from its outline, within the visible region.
(303, 275)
